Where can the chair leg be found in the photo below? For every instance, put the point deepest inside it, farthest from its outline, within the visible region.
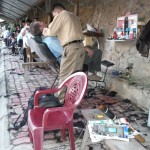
(71, 136)
(38, 139)
(63, 134)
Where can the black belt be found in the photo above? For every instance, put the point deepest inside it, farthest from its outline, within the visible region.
(76, 41)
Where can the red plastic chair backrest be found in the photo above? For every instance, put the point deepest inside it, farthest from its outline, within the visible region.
(76, 87)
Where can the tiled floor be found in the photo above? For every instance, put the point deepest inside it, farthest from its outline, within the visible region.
(19, 92)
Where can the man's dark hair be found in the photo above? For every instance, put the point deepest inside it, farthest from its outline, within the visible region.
(28, 21)
(23, 21)
(58, 6)
(35, 29)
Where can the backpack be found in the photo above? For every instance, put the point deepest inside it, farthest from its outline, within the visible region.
(45, 100)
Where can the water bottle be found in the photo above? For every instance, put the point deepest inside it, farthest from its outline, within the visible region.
(127, 33)
(131, 36)
(107, 111)
(134, 33)
(125, 24)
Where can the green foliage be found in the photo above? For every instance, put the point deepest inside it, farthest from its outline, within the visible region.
(10, 26)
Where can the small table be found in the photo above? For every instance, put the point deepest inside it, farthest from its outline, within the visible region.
(89, 115)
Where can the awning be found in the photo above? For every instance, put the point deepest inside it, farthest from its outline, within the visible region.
(15, 9)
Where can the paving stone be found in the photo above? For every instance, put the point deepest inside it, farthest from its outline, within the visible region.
(21, 140)
(24, 86)
(13, 96)
(14, 104)
(21, 134)
(23, 147)
(24, 129)
(19, 110)
(22, 95)
(48, 136)
(23, 91)
(46, 78)
(28, 94)
(24, 104)
(25, 100)
(15, 100)
(12, 137)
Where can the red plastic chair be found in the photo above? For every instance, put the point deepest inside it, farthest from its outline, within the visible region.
(42, 119)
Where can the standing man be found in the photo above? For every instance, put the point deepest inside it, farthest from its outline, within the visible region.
(24, 33)
(67, 27)
(6, 35)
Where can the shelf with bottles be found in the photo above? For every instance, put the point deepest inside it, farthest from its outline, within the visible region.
(126, 29)
(118, 35)
(129, 26)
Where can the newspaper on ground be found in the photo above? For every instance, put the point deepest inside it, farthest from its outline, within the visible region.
(107, 129)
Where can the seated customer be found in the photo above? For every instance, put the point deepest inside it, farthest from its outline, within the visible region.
(52, 42)
(92, 58)
(92, 55)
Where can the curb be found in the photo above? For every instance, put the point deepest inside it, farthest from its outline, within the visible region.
(4, 134)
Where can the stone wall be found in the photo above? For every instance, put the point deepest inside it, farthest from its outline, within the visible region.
(103, 14)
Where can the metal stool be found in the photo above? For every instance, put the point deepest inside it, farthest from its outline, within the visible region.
(107, 64)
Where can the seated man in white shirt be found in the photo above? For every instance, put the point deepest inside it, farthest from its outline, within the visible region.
(6, 35)
(24, 33)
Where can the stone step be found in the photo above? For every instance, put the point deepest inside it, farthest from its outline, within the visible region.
(138, 90)
(122, 145)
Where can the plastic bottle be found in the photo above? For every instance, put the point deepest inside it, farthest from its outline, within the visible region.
(131, 34)
(118, 32)
(125, 24)
(115, 36)
(122, 33)
(134, 33)
(107, 111)
(127, 34)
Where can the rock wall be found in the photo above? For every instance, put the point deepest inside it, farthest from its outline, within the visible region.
(103, 14)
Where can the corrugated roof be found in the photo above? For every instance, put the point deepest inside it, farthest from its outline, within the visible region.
(1, 20)
(14, 9)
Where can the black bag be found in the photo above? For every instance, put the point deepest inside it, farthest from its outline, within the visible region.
(143, 41)
(46, 100)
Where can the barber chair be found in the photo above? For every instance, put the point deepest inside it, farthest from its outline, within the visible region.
(46, 57)
(58, 118)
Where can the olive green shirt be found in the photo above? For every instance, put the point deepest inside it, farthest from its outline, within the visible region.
(66, 26)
